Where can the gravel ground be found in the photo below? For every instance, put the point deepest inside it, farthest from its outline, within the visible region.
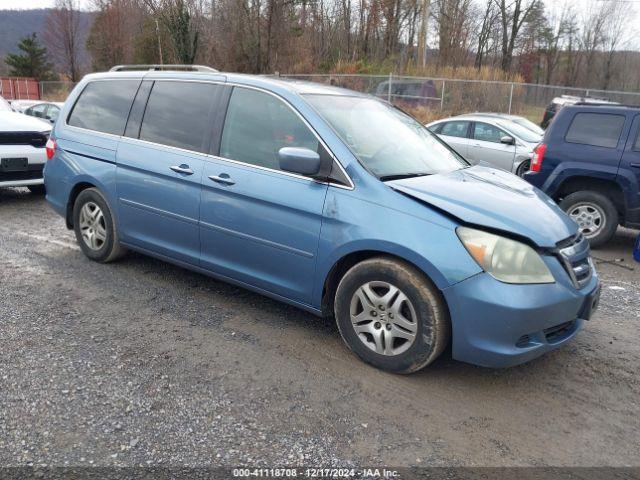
(144, 363)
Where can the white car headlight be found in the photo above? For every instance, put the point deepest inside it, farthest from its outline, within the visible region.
(505, 259)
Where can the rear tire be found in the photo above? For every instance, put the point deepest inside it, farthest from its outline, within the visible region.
(596, 215)
(37, 189)
(95, 228)
(523, 168)
(402, 334)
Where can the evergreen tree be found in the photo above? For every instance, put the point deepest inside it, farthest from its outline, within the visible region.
(32, 61)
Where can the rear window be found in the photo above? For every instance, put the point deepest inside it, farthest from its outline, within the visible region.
(104, 106)
(177, 115)
(597, 129)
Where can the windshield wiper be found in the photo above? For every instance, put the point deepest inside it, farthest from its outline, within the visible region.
(400, 176)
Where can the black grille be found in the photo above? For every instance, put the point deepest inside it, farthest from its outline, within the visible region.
(33, 173)
(558, 332)
(35, 139)
(576, 259)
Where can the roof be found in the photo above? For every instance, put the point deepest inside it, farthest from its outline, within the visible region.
(268, 82)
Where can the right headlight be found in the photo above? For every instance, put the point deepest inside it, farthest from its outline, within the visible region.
(504, 259)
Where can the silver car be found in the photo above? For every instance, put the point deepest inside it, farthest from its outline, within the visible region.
(484, 138)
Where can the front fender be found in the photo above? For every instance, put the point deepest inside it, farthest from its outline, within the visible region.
(353, 225)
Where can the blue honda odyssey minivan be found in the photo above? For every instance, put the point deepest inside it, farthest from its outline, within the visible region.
(324, 198)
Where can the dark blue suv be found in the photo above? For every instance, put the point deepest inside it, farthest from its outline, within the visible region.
(589, 162)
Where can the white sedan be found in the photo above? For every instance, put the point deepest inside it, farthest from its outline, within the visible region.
(22, 150)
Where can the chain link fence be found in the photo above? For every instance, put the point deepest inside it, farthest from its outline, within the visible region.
(433, 98)
(55, 91)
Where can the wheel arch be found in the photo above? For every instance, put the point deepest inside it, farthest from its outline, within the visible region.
(609, 188)
(73, 195)
(353, 257)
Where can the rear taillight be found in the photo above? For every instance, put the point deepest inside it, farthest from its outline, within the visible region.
(538, 156)
(50, 148)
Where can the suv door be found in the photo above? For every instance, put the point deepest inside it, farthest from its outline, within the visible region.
(159, 166)
(629, 173)
(485, 146)
(259, 224)
(456, 135)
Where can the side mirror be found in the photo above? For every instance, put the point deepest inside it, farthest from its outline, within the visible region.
(302, 161)
(508, 140)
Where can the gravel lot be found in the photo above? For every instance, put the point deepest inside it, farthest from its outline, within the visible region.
(144, 363)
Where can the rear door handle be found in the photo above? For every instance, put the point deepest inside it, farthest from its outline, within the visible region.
(222, 178)
(182, 169)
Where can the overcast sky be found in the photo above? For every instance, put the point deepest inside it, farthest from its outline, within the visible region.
(634, 7)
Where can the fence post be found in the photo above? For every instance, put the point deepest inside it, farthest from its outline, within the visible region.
(442, 97)
(510, 98)
(389, 89)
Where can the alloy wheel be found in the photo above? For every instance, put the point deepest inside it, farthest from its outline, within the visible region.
(590, 218)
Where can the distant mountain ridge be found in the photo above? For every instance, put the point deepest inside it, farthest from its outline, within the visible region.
(16, 24)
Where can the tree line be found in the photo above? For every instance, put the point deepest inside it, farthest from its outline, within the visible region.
(583, 44)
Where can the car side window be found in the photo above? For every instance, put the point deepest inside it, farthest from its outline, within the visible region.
(37, 110)
(636, 145)
(258, 125)
(455, 129)
(488, 133)
(177, 114)
(596, 129)
(103, 106)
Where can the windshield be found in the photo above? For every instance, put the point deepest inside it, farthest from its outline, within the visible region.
(526, 123)
(519, 131)
(387, 142)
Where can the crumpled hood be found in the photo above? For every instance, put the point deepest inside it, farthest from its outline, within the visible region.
(18, 122)
(495, 199)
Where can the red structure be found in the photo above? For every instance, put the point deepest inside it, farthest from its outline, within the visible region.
(19, 88)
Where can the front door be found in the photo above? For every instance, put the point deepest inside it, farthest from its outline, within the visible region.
(160, 169)
(485, 146)
(260, 225)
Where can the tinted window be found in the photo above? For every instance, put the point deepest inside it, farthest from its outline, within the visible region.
(177, 114)
(104, 106)
(258, 125)
(455, 129)
(597, 129)
(487, 133)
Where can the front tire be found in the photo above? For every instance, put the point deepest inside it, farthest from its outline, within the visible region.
(94, 227)
(596, 215)
(391, 315)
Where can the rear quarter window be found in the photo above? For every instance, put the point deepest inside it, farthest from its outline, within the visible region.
(596, 129)
(104, 106)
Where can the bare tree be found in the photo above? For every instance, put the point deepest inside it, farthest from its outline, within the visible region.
(62, 35)
(512, 16)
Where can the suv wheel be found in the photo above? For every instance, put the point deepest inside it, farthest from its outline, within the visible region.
(391, 315)
(94, 227)
(595, 214)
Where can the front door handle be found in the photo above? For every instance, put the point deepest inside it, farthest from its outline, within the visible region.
(222, 178)
(182, 169)
(635, 164)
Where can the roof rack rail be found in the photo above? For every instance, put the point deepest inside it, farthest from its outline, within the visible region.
(157, 67)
